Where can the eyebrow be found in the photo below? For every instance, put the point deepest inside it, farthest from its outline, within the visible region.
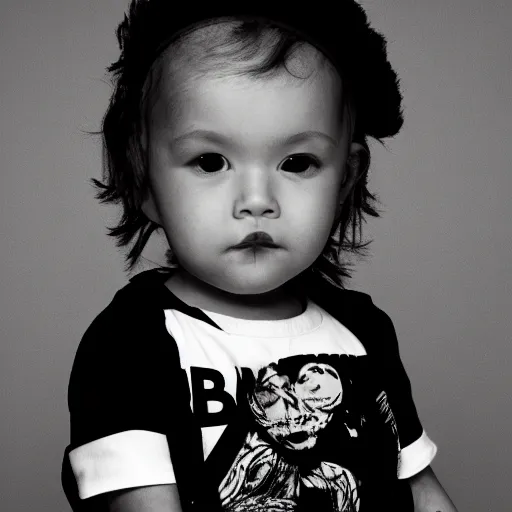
(218, 138)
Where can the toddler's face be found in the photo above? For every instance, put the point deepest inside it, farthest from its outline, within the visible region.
(234, 155)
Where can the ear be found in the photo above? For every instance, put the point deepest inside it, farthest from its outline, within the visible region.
(355, 167)
(149, 208)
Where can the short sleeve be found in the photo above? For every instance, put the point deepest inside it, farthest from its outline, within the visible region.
(124, 376)
(417, 450)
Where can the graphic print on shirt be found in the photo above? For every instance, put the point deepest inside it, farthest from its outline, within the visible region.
(297, 435)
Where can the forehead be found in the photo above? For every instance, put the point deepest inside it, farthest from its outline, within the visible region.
(197, 80)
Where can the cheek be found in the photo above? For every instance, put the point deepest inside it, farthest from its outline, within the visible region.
(188, 215)
(315, 212)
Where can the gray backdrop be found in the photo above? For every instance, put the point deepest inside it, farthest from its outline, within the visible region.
(441, 264)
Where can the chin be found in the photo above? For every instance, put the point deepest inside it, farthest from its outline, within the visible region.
(250, 288)
(247, 284)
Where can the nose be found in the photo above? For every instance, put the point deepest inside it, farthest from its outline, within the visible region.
(255, 195)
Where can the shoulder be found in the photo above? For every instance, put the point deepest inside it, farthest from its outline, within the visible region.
(132, 311)
(362, 305)
(357, 311)
(129, 332)
(347, 304)
(123, 364)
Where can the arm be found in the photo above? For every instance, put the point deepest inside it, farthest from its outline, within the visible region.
(118, 423)
(154, 498)
(428, 493)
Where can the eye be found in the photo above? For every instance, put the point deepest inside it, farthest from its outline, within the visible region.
(300, 164)
(210, 163)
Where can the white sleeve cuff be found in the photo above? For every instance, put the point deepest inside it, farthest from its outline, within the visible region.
(133, 458)
(416, 457)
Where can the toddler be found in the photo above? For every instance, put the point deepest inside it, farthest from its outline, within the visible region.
(243, 376)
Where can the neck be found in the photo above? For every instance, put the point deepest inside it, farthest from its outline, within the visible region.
(276, 304)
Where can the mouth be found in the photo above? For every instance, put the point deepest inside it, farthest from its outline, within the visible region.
(259, 239)
(297, 438)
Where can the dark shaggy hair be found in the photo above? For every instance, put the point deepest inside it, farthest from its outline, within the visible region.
(373, 91)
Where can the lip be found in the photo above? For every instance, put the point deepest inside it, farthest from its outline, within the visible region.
(258, 238)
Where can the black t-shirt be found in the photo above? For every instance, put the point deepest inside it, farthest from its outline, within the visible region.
(314, 411)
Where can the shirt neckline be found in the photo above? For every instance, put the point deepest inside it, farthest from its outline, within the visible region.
(309, 320)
